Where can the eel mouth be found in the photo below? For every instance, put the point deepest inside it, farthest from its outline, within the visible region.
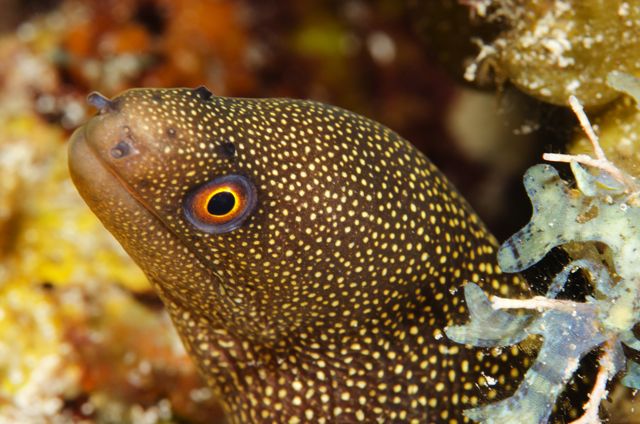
(97, 184)
(104, 191)
(100, 155)
(95, 179)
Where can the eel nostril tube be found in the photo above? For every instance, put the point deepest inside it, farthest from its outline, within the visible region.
(122, 149)
(102, 103)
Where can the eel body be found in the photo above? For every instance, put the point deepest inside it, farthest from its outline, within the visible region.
(309, 257)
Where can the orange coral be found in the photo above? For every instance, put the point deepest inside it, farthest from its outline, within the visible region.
(170, 43)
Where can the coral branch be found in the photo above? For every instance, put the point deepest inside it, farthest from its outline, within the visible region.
(600, 162)
(599, 391)
(577, 108)
(539, 303)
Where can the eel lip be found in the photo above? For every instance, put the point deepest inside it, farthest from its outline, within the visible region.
(78, 152)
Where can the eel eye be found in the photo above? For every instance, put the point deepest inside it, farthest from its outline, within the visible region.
(222, 204)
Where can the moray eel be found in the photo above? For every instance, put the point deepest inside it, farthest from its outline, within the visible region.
(309, 257)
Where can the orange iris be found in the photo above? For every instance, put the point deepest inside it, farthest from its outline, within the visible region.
(217, 205)
(222, 204)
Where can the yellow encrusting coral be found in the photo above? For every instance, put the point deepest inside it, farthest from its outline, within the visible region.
(69, 305)
(59, 303)
(57, 295)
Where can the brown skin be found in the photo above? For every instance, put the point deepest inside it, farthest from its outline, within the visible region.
(327, 301)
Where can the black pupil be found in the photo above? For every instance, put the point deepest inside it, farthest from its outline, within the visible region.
(221, 203)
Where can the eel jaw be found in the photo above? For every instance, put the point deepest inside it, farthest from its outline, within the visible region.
(97, 185)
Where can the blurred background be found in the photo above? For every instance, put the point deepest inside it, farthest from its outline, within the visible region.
(69, 296)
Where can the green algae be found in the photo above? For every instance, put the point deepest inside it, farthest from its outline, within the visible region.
(552, 49)
(601, 208)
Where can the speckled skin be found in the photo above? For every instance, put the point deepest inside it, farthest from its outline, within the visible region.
(328, 303)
